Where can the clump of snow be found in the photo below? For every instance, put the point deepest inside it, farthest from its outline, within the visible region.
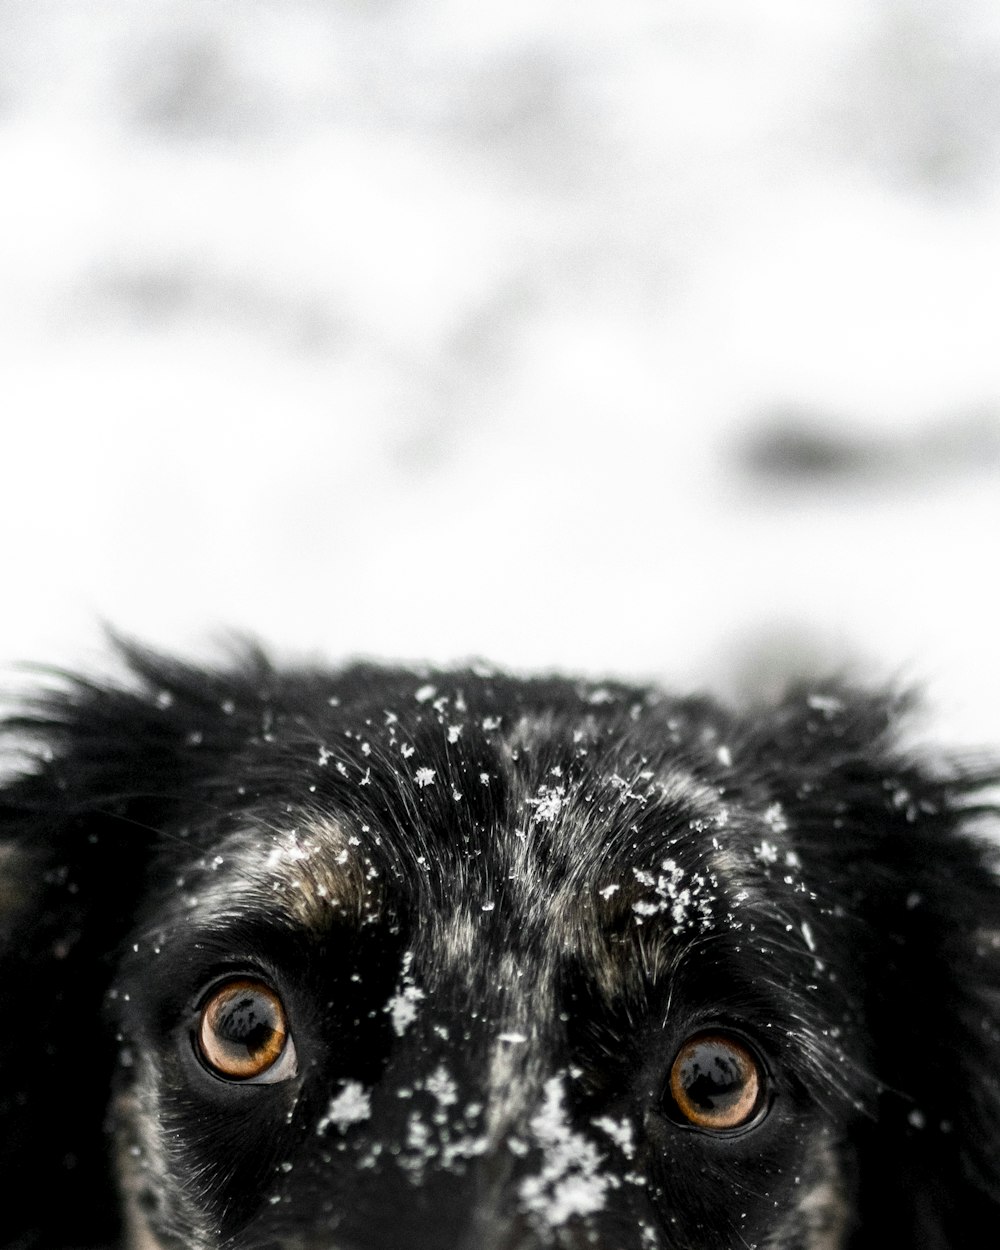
(687, 901)
(626, 792)
(620, 1132)
(775, 818)
(826, 704)
(442, 1086)
(402, 1007)
(351, 1106)
(570, 1182)
(425, 777)
(649, 1238)
(548, 803)
(448, 1138)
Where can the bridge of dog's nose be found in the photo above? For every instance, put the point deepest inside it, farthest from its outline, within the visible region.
(470, 1141)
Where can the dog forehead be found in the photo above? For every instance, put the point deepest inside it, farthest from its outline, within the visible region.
(568, 860)
(548, 822)
(308, 873)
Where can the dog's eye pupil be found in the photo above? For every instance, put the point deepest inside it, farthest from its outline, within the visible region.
(716, 1082)
(242, 1030)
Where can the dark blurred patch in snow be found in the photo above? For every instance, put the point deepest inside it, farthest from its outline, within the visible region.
(150, 299)
(191, 84)
(810, 450)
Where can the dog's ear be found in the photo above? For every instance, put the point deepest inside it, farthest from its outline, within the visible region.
(898, 848)
(108, 773)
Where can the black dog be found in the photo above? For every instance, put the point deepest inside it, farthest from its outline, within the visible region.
(376, 960)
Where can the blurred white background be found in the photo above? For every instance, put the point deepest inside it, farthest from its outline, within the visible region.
(606, 335)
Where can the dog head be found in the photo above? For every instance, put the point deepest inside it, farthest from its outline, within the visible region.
(377, 960)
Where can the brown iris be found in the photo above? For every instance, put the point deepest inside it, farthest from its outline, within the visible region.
(716, 1082)
(243, 1030)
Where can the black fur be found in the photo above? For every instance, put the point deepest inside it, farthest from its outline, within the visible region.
(495, 909)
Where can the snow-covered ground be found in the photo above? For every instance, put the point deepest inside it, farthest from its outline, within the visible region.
(607, 335)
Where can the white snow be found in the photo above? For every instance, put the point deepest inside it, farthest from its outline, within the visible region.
(684, 897)
(403, 1005)
(570, 1181)
(430, 332)
(442, 1086)
(548, 803)
(621, 1133)
(351, 1106)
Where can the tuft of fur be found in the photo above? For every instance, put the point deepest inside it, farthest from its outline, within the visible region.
(494, 909)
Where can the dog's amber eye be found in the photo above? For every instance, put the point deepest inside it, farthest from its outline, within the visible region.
(716, 1082)
(243, 1032)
